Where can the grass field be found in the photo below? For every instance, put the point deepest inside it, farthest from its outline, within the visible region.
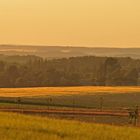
(21, 127)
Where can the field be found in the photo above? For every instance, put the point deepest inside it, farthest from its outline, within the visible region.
(80, 97)
(89, 104)
(21, 127)
(68, 113)
(58, 91)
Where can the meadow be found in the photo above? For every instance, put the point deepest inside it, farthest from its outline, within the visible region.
(20, 127)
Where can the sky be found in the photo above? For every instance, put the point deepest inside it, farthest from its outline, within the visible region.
(91, 23)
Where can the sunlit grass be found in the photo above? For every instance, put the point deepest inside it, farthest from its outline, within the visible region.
(21, 127)
(27, 92)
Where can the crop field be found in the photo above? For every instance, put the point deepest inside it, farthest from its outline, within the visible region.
(21, 127)
(89, 104)
(83, 97)
(32, 92)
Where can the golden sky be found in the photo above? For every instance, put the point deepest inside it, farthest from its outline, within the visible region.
(97, 23)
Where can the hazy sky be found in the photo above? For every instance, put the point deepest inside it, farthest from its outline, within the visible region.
(113, 23)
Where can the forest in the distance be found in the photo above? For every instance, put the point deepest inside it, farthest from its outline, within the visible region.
(32, 71)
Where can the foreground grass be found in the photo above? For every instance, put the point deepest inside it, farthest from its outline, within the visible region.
(21, 127)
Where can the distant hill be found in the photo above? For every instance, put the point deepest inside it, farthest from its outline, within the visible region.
(59, 51)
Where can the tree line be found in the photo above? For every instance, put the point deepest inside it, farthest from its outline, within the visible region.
(74, 71)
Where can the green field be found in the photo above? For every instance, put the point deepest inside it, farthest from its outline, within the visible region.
(78, 100)
(22, 127)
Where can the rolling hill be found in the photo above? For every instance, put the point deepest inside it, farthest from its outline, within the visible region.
(68, 51)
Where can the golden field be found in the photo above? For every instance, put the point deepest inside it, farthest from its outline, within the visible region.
(22, 127)
(47, 91)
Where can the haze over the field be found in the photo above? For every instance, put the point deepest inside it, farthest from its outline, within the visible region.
(97, 23)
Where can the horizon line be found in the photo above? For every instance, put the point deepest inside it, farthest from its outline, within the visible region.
(71, 46)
